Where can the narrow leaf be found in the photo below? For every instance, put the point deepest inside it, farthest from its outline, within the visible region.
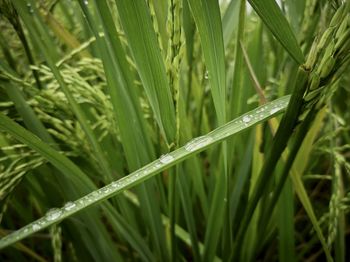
(195, 146)
(142, 40)
(274, 19)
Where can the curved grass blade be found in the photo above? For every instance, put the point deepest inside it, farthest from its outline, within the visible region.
(195, 146)
(67, 167)
(274, 19)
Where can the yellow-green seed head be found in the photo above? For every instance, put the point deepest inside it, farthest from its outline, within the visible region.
(315, 81)
(327, 67)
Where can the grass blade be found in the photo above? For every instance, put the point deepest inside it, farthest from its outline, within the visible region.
(142, 40)
(207, 17)
(68, 168)
(126, 107)
(274, 19)
(197, 145)
(208, 20)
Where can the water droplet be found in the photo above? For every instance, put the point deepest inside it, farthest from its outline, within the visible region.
(247, 119)
(164, 159)
(206, 75)
(69, 206)
(115, 184)
(53, 214)
(35, 227)
(198, 143)
(86, 2)
(106, 189)
(274, 110)
(30, 8)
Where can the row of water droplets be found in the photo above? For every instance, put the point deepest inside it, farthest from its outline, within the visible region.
(55, 214)
(191, 146)
(52, 215)
(256, 115)
(265, 111)
(30, 8)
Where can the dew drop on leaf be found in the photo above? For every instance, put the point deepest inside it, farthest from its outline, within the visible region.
(53, 214)
(35, 227)
(198, 143)
(247, 119)
(164, 159)
(69, 206)
(274, 110)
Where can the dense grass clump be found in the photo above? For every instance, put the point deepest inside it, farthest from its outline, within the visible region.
(179, 130)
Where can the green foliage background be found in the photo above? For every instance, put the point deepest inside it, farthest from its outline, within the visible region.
(179, 130)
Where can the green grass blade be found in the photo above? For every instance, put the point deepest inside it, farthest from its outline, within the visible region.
(274, 19)
(208, 20)
(238, 90)
(184, 193)
(195, 146)
(68, 168)
(142, 40)
(295, 9)
(207, 17)
(126, 107)
(285, 221)
(230, 21)
(29, 118)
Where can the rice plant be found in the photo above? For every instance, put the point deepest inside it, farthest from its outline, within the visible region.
(194, 130)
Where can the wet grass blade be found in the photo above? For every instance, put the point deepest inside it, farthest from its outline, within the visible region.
(195, 146)
(79, 178)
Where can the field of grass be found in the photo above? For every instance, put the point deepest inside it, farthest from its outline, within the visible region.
(174, 130)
